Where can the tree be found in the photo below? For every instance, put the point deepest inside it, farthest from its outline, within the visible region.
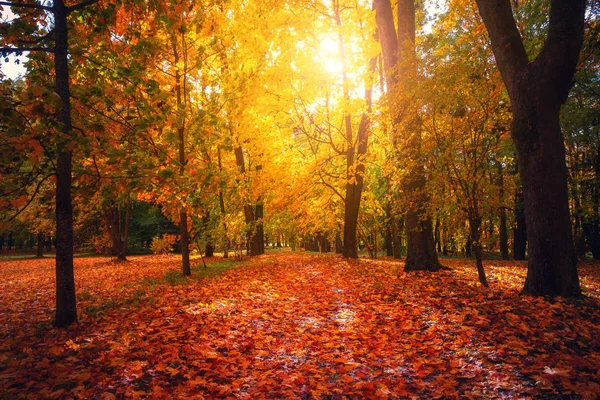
(66, 303)
(537, 89)
(398, 48)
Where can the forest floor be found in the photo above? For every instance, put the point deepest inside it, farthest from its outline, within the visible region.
(295, 325)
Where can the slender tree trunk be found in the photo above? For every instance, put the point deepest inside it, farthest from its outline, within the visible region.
(438, 235)
(66, 302)
(260, 234)
(124, 233)
(502, 214)
(475, 228)
(183, 227)
(227, 242)
(397, 229)
(355, 154)
(520, 228)
(594, 236)
(537, 90)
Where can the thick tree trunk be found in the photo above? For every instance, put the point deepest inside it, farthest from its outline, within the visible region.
(209, 251)
(552, 262)
(252, 232)
(339, 245)
(40, 245)
(389, 242)
(537, 90)
(119, 230)
(421, 254)
(351, 207)
(400, 65)
(66, 302)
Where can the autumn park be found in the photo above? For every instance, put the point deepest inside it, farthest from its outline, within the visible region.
(300, 199)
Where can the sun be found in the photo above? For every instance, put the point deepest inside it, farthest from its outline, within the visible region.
(328, 56)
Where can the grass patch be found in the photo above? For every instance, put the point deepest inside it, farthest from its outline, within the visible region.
(94, 311)
(174, 277)
(214, 269)
(199, 272)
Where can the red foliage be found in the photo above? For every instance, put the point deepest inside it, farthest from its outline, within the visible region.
(296, 326)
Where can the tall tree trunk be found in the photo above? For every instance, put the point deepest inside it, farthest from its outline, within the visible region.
(520, 228)
(475, 228)
(355, 153)
(260, 233)
(183, 227)
(253, 245)
(397, 229)
(400, 65)
(66, 302)
(227, 242)
(339, 245)
(537, 90)
(40, 245)
(124, 233)
(437, 235)
(593, 238)
(502, 214)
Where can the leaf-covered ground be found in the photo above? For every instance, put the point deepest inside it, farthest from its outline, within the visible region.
(292, 325)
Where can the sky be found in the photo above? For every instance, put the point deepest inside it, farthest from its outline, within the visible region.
(10, 69)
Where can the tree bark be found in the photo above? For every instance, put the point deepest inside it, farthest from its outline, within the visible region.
(593, 226)
(537, 89)
(40, 245)
(502, 214)
(400, 65)
(66, 302)
(124, 234)
(227, 242)
(253, 244)
(183, 227)
(520, 228)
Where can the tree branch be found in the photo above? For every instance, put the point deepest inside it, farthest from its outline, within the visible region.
(10, 50)
(81, 5)
(26, 5)
(37, 189)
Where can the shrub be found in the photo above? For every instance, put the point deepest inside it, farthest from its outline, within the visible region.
(163, 244)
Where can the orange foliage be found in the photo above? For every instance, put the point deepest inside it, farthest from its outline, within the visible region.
(296, 326)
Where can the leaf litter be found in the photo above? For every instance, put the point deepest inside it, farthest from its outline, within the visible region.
(296, 325)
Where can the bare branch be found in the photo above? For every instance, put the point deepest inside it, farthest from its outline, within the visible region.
(37, 189)
(26, 5)
(10, 50)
